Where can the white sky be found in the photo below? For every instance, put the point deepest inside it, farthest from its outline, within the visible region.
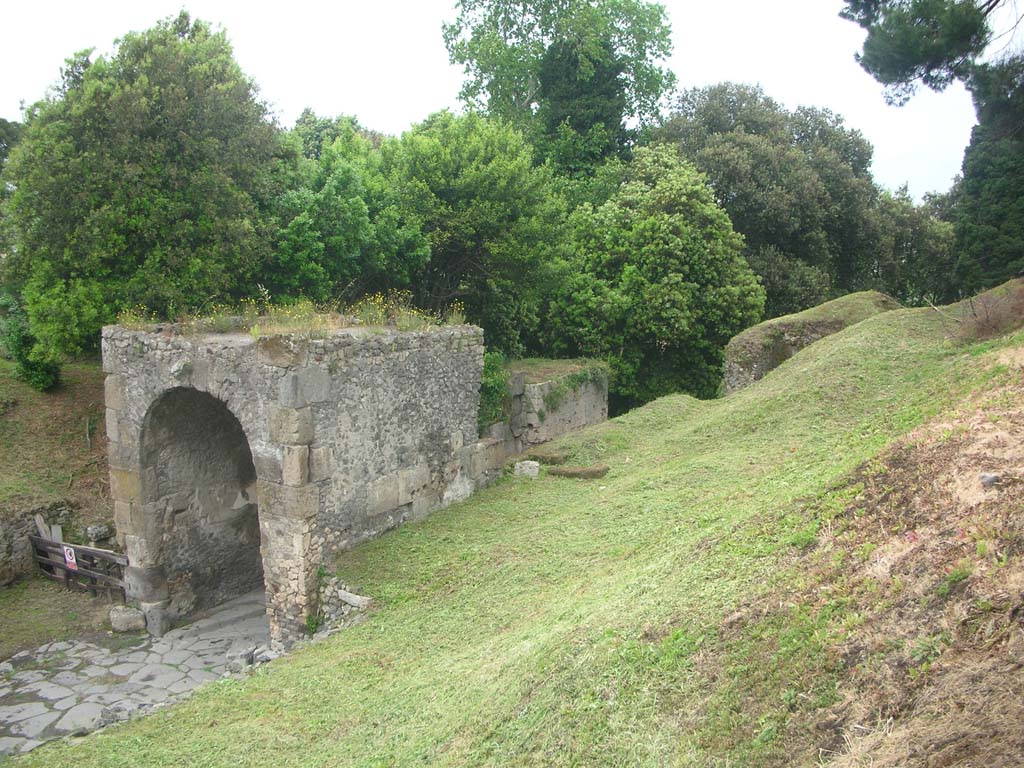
(385, 62)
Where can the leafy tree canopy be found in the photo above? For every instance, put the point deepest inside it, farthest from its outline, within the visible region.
(341, 232)
(490, 215)
(796, 184)
(654, 282)
(144, 179)
(910, 42)
(988, 209)
(10, 132)
(570, 71)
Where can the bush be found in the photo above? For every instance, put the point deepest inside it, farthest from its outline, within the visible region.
(655, 283)
(17, 344)
(493, 390)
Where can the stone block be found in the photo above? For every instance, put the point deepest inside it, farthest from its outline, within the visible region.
(124, 484)
(113, 393)
(268, 467)
(315, 384)
(291, 426)
(410, 481)
(305, 386)
(383, 494)
(158, 620)
(487, 455)
(146, 584)
(123, 618)
(516, 384)
(113, 430)
(527, 468)
(287, 502)
(122, 517)
(295, 465)
(281, 351)
(321, 464)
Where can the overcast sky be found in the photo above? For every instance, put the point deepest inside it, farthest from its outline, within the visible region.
(385, 62)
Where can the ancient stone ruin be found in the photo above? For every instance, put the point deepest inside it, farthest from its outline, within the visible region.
(238, 461)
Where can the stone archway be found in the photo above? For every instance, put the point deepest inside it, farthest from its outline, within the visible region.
(198, 501)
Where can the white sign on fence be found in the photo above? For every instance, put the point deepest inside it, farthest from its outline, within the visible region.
(69, 558)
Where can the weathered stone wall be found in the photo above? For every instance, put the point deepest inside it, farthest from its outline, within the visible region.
(235, 460)
(539, 412)
(349, 435)
(15, 548)
(16, 558)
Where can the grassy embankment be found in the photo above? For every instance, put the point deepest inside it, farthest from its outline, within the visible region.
(52, 449)
(565, 622)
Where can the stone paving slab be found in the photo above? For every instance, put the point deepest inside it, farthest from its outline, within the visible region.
(70, 688)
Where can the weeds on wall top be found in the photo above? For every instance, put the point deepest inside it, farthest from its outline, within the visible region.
(262, 316)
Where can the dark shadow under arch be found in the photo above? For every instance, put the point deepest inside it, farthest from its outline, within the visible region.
(199, 500)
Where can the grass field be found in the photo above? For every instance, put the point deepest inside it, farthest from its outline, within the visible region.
(567, 622)
(53, 445)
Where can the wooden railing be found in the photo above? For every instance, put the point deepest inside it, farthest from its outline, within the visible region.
(86, 568)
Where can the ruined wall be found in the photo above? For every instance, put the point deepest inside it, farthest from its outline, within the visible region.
(349, 435)
(15, 549)
(236, 460)
(539, 412)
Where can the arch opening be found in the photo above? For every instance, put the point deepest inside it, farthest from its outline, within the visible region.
(199, 501)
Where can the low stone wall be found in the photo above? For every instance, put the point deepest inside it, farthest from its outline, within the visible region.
(539, 412)
(15, 549)
(16, 557)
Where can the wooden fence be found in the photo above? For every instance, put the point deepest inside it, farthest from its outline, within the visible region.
(85, 568)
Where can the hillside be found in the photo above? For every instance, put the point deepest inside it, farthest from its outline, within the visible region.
(789, 575)
(763, 347)
(53, 445)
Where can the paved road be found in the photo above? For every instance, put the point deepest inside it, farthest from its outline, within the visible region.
(74, 687)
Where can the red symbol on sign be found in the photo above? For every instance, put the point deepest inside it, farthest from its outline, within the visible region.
(69, 558)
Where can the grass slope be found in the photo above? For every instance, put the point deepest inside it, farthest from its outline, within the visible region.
(761, 342)
(565, 622)
(53, 445)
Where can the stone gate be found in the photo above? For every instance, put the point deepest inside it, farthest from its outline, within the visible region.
(238, 461)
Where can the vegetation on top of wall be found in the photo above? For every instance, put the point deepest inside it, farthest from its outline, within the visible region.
(493, 391)
(596, 372)
(264, 317)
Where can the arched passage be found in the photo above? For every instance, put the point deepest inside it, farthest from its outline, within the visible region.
(199, 505)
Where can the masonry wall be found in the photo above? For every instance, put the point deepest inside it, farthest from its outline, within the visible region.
(349, 435)
(236, 461)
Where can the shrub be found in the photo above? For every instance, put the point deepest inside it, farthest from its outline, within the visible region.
(493, 390)
(17, 343)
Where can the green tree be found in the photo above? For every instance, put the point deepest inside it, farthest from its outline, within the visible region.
(654, 282)
(341, 230)
(582, 108)
(10, 132)
(989, 203)
(796, 184)
(490, 216)
(914, 258)
(144, 179)
(913, 42)
(317, 132)
(568, 73)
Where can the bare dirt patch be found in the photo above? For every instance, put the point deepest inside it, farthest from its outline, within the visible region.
(935, 668)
